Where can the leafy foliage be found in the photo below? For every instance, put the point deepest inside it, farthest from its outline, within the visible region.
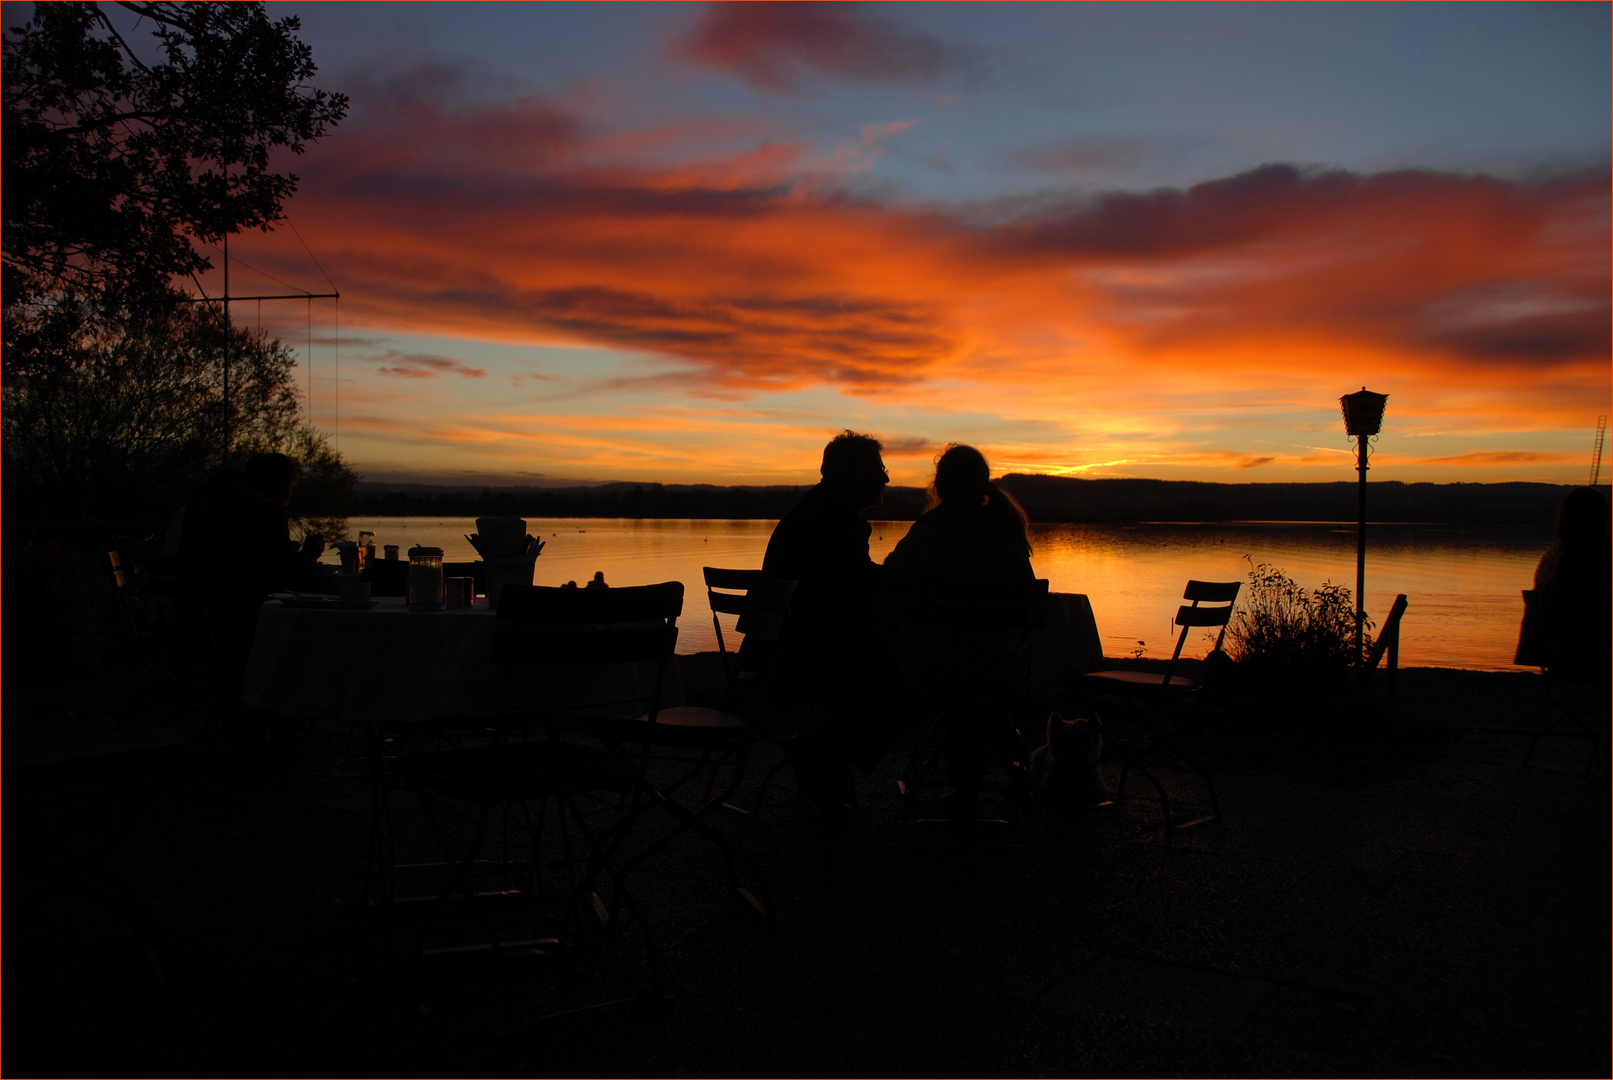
(122, 154)
(115, 166)
(1282, 628)
(113, 418)
(324, 492)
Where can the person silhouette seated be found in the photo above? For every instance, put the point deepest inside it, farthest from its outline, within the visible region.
(234, 549)
(973, 531)
(830, 653)
(1573, 583)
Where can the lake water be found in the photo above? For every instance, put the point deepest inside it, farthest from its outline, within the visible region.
(1462, 584)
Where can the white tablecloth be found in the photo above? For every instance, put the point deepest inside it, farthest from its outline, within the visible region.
(1065, 647)
(390, 665)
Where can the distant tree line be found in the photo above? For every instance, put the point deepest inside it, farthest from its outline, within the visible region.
(616, 501)
(1055, 498)
(1045, 498)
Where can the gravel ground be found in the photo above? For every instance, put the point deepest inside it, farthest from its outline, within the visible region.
(1393, 896)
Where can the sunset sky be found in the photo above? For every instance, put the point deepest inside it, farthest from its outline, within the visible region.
(678, 243)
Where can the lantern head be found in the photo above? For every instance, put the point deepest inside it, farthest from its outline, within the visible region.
(1363, 412)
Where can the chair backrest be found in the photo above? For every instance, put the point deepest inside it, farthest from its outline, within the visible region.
(619, 642)
(1221, 595)
(1565, 632)
(120, 583)
(539, 626)
(761, 604)
(725, 592)
(1388, 641)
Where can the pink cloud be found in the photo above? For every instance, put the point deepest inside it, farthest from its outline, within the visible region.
(423, 365)
(776, 46)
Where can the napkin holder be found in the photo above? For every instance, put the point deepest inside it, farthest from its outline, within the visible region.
(501, 535)
(502, 570)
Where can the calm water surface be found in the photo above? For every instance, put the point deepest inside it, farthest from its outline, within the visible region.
(1462, 584)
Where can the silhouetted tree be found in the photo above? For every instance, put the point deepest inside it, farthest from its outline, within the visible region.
(121, 155)
(111, 419)
(116, 165)
(324, 494)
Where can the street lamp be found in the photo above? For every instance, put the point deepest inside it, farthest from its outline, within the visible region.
(1363, 417)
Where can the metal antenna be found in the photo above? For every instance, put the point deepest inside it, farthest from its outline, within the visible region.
(1596, 458)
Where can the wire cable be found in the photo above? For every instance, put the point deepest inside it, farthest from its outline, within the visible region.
(311, 255)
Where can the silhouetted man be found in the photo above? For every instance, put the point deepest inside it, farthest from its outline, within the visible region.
(235, 548)
(830, 651)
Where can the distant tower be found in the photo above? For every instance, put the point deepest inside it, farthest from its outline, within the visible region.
(1596, 458)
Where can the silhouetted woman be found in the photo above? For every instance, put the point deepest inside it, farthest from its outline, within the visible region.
(1573, 582)
(973, 532)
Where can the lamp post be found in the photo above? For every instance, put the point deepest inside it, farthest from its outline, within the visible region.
(1363, 417)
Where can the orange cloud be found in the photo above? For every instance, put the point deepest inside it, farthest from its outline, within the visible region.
(1143, 321)
(1488, 458)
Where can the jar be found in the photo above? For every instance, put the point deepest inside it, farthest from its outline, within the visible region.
(427, 586)
(391, 552)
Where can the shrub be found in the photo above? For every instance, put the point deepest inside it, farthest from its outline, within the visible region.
(1283, 630)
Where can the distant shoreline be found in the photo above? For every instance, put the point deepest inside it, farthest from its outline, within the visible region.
(1046, 499)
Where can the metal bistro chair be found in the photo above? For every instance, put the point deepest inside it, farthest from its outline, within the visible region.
(1150, 696)
(71, 804)
(1573, 672)
(1386, 648)
(146, 604)
(133, 619)
(761, 607)
(592, 648)
(703, 741)
(138, 610)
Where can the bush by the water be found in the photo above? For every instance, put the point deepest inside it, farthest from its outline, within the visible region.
(1286, 631)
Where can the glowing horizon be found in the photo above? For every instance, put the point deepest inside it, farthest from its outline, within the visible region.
(687, 245)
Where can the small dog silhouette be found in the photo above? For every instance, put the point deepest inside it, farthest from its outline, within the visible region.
(1064, 771)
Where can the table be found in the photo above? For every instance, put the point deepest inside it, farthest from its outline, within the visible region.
(390, 666)
(1070, 637)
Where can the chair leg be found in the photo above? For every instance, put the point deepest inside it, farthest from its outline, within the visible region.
(695, 820)
(1164, 796)
(1155, 738)
(755, 810)
(922, 762)
(1569, 712)
(1203, 774)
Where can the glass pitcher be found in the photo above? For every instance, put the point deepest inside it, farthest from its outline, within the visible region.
(427, 586)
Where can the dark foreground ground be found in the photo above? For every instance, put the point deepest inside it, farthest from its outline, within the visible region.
(1397, 898)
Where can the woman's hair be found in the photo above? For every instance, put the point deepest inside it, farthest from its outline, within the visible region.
(1582, 517)
(963, 477)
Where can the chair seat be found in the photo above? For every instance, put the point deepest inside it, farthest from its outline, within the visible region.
(1138, 681)
(96, 758)
(697, 717)
(529, 770)
(683, 725)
